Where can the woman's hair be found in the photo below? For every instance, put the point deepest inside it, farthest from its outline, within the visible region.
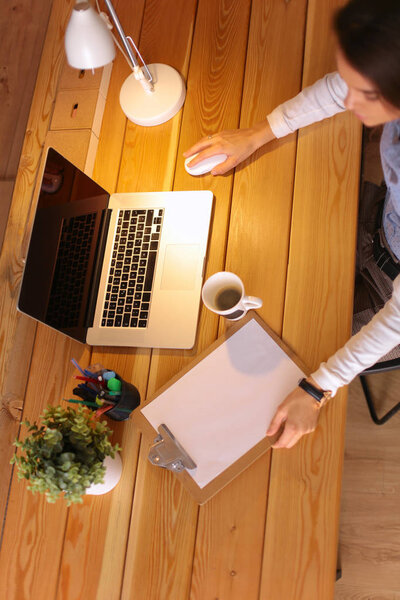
(368, 32)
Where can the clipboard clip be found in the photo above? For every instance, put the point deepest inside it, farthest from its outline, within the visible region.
(168, 453)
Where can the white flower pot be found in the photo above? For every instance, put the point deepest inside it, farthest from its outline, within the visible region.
(111, 477)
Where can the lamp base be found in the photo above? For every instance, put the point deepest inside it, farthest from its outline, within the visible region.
(153, 108)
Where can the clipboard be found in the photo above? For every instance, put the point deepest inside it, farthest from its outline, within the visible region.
(218, 401)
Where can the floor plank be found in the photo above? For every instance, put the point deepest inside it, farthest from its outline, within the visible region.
(23, 25)
(370, 509)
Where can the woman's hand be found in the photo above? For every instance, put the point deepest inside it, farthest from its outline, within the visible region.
(299, 414)
(237, 144)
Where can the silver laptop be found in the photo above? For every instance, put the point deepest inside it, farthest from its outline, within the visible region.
(119, 270)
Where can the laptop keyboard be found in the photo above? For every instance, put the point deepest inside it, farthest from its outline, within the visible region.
(67, 289)
(130, 279)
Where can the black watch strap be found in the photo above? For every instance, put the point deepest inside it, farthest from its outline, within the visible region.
(308, 387)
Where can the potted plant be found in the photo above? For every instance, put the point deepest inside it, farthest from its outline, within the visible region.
(64, 455)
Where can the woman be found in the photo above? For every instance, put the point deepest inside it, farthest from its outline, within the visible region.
(368, 84)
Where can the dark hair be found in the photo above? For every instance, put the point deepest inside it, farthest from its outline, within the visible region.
(368, 32)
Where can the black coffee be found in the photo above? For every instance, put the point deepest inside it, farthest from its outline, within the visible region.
(227, 298)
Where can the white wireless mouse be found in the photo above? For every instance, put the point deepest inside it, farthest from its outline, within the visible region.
(205, 165)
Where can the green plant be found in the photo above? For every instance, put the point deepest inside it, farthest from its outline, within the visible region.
(64, 455)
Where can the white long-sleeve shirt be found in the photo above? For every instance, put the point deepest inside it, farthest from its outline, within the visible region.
(365, 348)
(321, 100)
(324, 99)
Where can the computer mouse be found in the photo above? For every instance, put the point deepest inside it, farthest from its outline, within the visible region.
(205, 165)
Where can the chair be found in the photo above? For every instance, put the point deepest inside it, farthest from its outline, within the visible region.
(372, 171)
(380, 367)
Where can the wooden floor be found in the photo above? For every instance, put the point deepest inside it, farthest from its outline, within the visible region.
(370, 522)
(23, 25)
(370, 509)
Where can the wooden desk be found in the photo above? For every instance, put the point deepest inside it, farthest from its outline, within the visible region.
(285, 222)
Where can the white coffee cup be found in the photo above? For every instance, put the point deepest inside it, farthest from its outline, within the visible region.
(223, 294)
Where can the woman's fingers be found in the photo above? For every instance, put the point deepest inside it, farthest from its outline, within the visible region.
(211, 141)
(224, 167)
(206, 153)
(276, 422)
(289, 437)
(198, 147)
(299, 414)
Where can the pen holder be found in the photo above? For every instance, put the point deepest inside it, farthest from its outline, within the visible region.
(128, 401)
(105, 391)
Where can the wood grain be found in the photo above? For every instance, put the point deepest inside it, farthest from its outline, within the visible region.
(6, 192)
(17, 331)
(229, 542)
(111, 140)
(99, 570)
(370, 518)
(259, 223)
(23, 25)
(212, 93)
(132, 364)
(316, 321)
(211, 90)
(34, 530)
(263, 189)
(94, 565)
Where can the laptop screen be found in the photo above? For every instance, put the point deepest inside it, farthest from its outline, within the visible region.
(63, 255)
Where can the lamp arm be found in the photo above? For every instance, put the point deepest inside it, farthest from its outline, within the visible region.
(118, 26)
(144, 77)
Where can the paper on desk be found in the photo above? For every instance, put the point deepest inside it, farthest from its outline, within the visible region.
(222, 407)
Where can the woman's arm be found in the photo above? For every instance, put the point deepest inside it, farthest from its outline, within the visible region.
(298, 413)
(319, 101)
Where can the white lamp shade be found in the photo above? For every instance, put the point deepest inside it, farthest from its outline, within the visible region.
(88, 42)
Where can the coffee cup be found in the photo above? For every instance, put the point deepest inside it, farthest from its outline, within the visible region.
(223, 294)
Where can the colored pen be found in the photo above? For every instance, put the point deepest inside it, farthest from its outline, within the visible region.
(74, 362)
(94, 405)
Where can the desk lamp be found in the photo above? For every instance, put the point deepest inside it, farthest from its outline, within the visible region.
(152, 94)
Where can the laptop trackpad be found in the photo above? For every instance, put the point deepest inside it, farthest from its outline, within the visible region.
(180, 267)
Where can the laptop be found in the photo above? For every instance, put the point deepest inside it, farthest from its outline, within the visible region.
(124, 269)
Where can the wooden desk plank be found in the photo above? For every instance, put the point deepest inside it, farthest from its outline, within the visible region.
(17, 331)
(49, 373)
(34, 529)
(303, 508)
(85, 554)
(93, 556)
(111, 140)
(166, 38)
(263, 190)
(164, 517)
(229, 547)
(43, 341)
(81, 555)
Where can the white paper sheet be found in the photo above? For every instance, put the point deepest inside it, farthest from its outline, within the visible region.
(222, 407)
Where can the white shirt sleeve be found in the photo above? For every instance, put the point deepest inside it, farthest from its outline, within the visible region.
(365, 348)
(323, 99)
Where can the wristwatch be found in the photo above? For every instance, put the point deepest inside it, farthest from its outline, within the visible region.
(321, 396)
